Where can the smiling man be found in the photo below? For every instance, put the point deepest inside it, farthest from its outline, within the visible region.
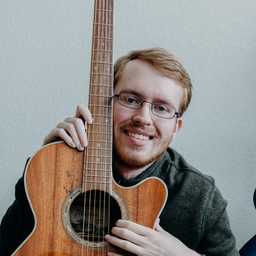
(152, 90)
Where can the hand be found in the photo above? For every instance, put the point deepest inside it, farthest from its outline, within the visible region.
(141, 240)
(72, 130)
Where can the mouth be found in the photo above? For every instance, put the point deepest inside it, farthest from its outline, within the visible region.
(138, 135)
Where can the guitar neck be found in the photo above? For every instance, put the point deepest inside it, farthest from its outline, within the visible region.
(98, 160)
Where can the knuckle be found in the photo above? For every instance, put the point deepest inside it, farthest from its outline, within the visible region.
(125, 244)
(70, 127)
(122, 232)
(80, 108)
(60, 132)
(78, 122)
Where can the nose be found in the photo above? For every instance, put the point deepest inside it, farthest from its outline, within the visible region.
(143, 115)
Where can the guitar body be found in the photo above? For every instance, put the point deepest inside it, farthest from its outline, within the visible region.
(53, 183)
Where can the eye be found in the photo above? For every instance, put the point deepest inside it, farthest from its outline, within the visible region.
(160, 108)
(131, 99)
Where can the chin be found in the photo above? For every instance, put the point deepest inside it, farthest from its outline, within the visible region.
(138, 159)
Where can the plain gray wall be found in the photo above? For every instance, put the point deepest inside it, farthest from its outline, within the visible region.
(44, 65)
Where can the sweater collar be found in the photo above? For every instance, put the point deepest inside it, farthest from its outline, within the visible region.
(152, 170)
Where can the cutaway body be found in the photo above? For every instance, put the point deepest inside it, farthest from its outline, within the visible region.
(53, 183)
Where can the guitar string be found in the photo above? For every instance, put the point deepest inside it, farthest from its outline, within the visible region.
(104, 200)
(85, 236)
(98, 21)
(94, 32)
(90, 196)
(101, 27)
(111, 124)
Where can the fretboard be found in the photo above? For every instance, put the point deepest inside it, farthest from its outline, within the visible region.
(98, 159)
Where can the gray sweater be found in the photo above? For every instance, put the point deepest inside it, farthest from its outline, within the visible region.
(195, 211)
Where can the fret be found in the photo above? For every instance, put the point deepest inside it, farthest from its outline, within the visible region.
(101, 96)
(95, 175)
(101, 85)
(102, 38)
(102, 50)
(99, 156)
(100, 132)
(102, 169)
(98, 66)
(101, 112)
(102, 31)
(93, 162)
(100, 106)
(103, 79)
(101, 62)
(107, 142)
(98, 90)
(103, 24)
(104, 118)
(98, 174)
(101, 125)
(107, 45)
(99, 115)
(101, 74)
(93, 166)
(104, 10)
(100, 100)
(99, 149)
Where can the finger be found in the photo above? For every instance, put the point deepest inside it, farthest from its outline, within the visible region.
(113, 254)
(59, 133)
(70, 129)
(160, 229)
(124, 244)
(83, 111)
(136, 228)
(129, 235)
(80, 128)
(156, 223)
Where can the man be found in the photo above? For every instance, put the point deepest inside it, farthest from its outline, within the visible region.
(152, 90)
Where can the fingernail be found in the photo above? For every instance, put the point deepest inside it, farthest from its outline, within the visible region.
(72, 145)
(80, 148)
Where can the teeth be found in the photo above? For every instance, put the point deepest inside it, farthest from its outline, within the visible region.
(139, 136)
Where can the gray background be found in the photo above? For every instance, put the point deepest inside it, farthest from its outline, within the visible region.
(44, 64)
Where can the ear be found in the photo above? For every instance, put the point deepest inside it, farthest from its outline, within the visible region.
(178, 126)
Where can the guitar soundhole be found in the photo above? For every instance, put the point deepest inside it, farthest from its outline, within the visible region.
(93, 214)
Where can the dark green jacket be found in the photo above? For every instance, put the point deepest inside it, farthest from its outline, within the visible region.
(195, 211)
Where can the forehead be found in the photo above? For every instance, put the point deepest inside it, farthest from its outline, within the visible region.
(142, 78)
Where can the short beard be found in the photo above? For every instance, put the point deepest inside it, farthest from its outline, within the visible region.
(124, 159)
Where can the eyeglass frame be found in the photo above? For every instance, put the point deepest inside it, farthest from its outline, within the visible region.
(142, 101)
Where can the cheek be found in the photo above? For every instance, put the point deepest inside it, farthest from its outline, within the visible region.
(119, 116)
(167, 130)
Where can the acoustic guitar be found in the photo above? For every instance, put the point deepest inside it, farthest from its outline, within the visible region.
(73, 196)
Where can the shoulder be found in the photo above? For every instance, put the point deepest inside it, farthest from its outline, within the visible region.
(189, 183)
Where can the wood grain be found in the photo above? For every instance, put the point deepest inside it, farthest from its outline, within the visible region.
(55, 172)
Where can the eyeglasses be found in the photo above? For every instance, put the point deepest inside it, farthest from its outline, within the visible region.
(133, 101)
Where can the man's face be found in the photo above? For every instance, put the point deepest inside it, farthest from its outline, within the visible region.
(139, 136)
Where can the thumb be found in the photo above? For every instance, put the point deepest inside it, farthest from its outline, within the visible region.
(159, 228)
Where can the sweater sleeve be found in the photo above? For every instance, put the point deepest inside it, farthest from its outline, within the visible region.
(218, 239)
(17, 222)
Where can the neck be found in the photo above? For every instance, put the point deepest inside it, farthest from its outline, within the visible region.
(129, 172)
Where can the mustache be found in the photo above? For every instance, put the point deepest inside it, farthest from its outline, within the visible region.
(139, 128)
